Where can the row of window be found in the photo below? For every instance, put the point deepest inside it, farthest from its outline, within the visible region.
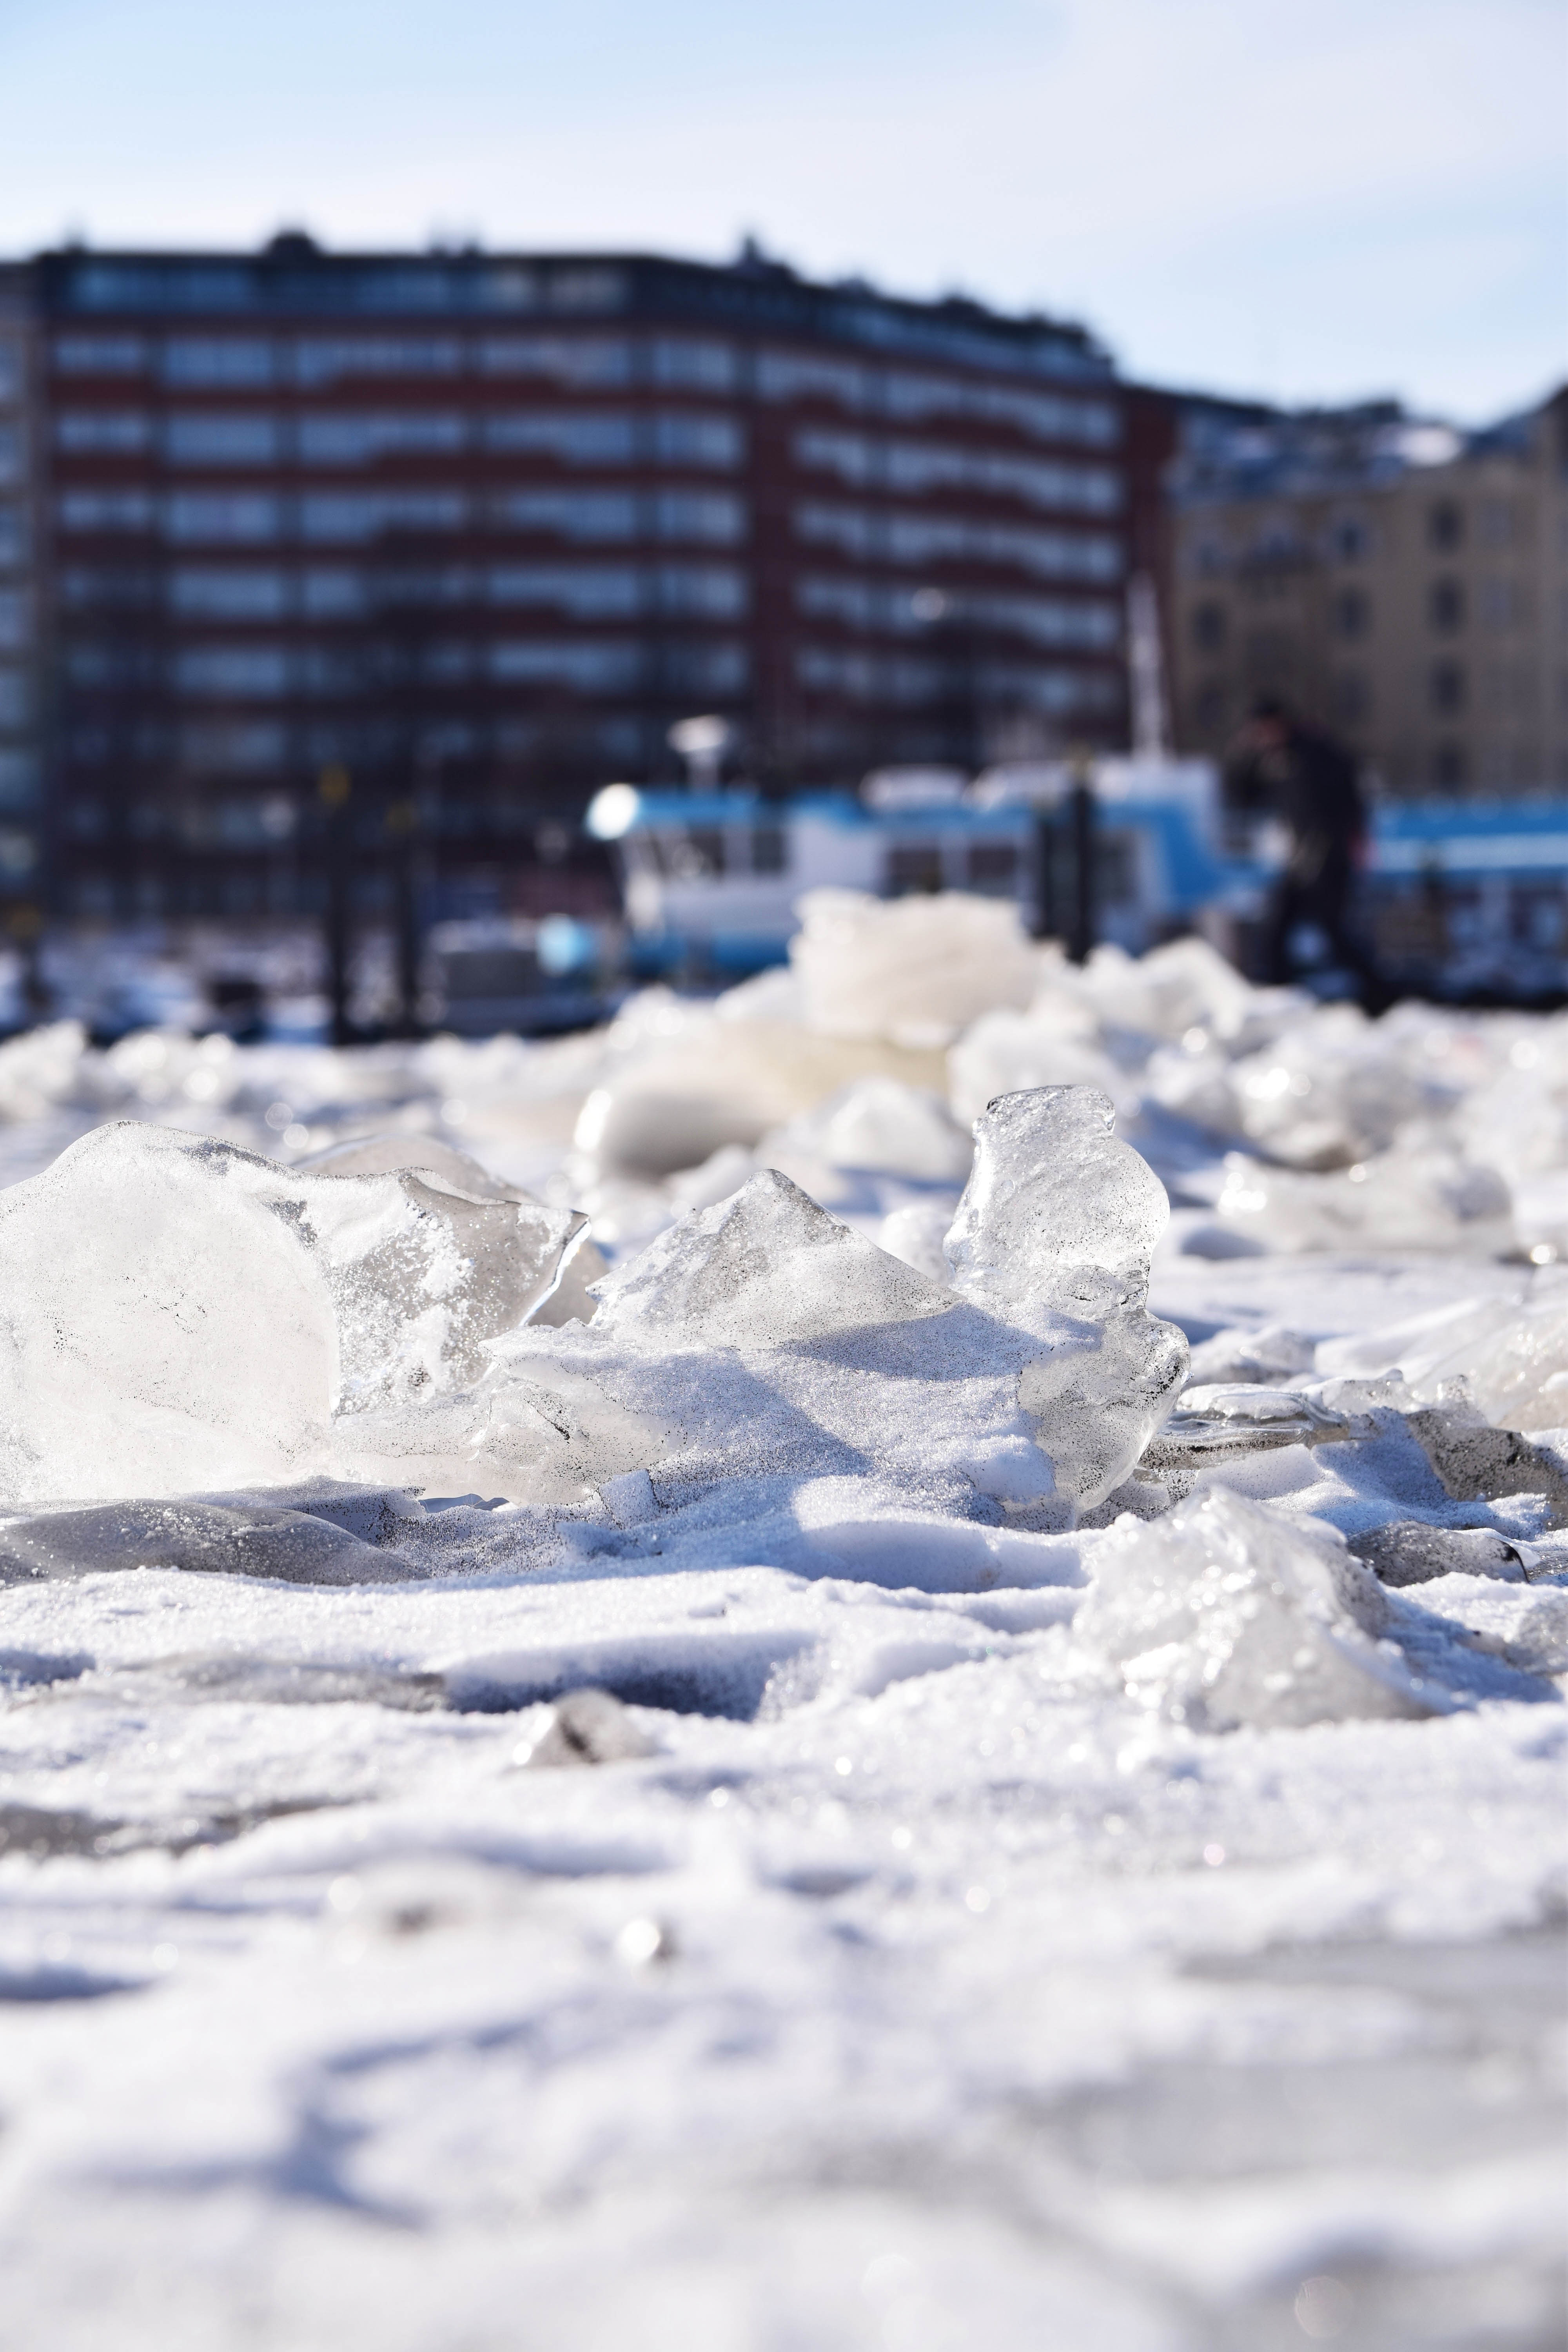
(234, 437)
(880, 605)
(894, 535)
(1502, 604)
(866, 460)
(694, 362)
(1446, 688)
(274, 673)
(252, 745)
(264, 672)
(235, 518)
(585, 591)
(1448, 525)
(906, 678)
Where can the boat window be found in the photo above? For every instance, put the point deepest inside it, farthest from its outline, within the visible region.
(914, 866)
(993, 864)
(770, 849)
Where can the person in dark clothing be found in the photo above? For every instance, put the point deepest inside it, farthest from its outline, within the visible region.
(1298, 773)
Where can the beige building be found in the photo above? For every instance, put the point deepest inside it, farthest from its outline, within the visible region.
(1406, 586)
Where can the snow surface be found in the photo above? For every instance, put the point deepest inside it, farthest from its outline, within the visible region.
(801, 1796)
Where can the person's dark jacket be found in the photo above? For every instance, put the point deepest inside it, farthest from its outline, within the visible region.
(1309, 782)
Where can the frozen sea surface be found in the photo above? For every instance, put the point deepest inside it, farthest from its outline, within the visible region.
(773, 1860)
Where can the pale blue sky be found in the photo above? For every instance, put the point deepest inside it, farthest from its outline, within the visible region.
(1302, 198)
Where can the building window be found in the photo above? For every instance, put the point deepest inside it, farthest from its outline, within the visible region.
(683, 439)
(1353, 698)
(1209, 628)
(578, 360)
(1497, 522)
(1502, 605)
(1445, 526)
(1349, 539)
(221, 440)
(102, 431)
(589, 592)
(1446, 689)
(229, 595)
(225, 359)
(244, 745)
(1450, 767)
(1445, 607)
(586, 665)
(219, 515)
(100, 354)
(714, 591)
(246, 670)
(572, 439)
(102, 510)
(1352, 614)
(717, 669)
(320, 360)
(704, 366)
(799, 375)
(580, 515)
(698, 515)
(332, 595)
(361, 515)
(1211, 710)
(329, 439)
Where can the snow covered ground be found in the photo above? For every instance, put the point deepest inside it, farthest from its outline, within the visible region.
(835, 1792)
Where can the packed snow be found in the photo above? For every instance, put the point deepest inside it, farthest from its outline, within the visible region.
(874, 1664)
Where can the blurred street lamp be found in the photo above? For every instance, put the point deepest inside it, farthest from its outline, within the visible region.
(702, 743)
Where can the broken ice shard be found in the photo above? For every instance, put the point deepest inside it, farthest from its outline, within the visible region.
(1056, 1232)
(1219, 1614)
(175, 1313)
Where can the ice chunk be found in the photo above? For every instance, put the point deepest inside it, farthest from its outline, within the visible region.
(1512, 1353)
(1334, 1088)
(585, 1727)
(1056, 1231)
(1409, 1551)
(46, 1066)
(450, 1170)
(918, 1233)
(722, 1082)
(1010, 1052)
(1271, 1353)
(1059, 1208)
(180, 1313)
(885, 1126)
(1427, 1199)
(767, 1267)
(1220, 1615)
(913, 970)
(1168, 993)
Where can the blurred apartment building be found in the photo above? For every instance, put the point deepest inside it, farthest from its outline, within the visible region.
(1405, 584)
(300, 547)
